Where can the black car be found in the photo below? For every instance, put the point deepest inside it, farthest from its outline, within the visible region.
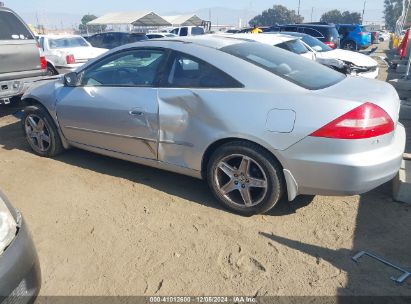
(20, 275)
(327, 33)
(110, 40)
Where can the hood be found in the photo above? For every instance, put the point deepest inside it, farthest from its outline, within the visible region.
(366, 90)
(357, 59)
(83, 52)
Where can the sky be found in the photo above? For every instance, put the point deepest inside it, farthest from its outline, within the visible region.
(222, 11)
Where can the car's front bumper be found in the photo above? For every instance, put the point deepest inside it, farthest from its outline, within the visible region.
(321, 166)
(20, 275)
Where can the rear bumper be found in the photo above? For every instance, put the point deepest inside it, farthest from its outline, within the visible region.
(315, 172)
(20, 276)
(11, 88)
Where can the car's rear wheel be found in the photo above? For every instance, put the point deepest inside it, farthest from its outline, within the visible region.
(350, 45)
(51, 71)
(245, 178)
(41, 132)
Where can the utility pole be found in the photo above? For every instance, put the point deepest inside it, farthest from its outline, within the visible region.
(363, 11)
(312, 11)
(299, 4)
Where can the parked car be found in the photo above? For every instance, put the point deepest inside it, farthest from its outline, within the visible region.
(20, 275)
(285, 42)
(345, 61)
(188, 31)
(384, 36)
(160, 35)
(65, 53)
(111, 40)
(253, 120)
(21, 61)
(327, 33)
(354, 36)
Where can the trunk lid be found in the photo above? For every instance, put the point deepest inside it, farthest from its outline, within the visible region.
(366, 90)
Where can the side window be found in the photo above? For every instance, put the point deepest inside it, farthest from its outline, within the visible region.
(125, 69)
(190, 72)
(313, 33)
(290, 29)
(175, 31)
(184, 31)
(11, 28)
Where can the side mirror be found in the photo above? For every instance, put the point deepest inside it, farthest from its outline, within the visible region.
(70, 79)
(317, 48)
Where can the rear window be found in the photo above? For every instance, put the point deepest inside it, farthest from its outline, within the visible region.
(61, 43)
(296, 69)
(197, 31)
(11, 28)
(316, 44)
(294, 46)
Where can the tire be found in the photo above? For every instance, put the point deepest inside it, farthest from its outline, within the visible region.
(44, 141)
(350, 45)
(51, 71)
(262, 167)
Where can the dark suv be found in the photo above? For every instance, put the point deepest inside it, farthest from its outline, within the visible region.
(327, 33)
(110, 40)
(21, 63)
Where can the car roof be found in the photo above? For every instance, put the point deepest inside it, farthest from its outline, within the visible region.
(212, 41)
(55, 36)
(293, 34)
(267, 38)
(311, 25)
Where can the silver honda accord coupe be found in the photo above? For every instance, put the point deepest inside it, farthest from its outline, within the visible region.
(253, 120)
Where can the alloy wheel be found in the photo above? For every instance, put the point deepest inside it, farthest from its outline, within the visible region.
(241, 180)
(37, 133)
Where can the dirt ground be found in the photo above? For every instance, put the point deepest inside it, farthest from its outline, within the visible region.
(108, 227)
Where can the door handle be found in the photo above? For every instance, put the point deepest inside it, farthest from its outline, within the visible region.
(136, 113)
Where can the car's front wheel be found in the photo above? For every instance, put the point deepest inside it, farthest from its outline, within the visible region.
(245, 178)
(41, 132)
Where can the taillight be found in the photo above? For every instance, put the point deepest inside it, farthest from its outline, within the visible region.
(366, 121)
(70, 59)
(330, 44)
(43, 63)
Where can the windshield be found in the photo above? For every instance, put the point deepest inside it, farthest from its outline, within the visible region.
(316, 44)
(61, 43)
(294, 68)
(294, 46)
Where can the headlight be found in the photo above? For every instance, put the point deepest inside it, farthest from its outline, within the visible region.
(8, 226)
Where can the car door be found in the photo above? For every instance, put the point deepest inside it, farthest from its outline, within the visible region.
(114, 106)
(187, 94)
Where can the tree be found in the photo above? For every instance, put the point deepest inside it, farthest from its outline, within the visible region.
(335, 16)
(92, 28)
(279, 14)
(392, 11)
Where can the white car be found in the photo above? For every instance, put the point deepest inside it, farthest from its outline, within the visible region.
(344, 61)
(384, 36)
(65, 53)
(289, 43)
